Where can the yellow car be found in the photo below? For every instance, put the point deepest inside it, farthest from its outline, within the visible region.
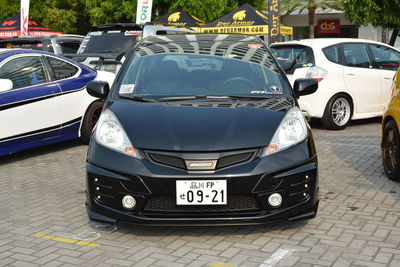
(390, 133)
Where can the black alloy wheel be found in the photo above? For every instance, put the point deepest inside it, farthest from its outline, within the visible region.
(391, 150)
(92, 115)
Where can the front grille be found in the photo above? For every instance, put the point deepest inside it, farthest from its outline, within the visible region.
(168, 160)
(176, 160)
(233, 159)
(167, 204)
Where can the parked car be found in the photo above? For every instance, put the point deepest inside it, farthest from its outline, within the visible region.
(58, 44)
(390, 133)
(43, 99)
(105, 46)
(201, 129)
(354, 77)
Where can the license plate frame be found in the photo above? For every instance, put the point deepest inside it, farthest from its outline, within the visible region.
(203, 192)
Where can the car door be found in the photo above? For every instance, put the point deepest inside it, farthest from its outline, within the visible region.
(386, 62)
(360, 78)
(30, 111)
(75, 99)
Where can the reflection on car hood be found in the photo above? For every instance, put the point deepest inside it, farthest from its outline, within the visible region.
(201, 125)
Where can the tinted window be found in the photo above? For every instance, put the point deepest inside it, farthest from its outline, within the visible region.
(293, 57)
(226, 69)
(69, 47)
(332, 53)
(24, 71)
(355, 55)
(62, 69)
(385, 58)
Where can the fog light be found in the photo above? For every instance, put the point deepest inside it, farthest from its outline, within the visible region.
(128, 202)
(275, 199)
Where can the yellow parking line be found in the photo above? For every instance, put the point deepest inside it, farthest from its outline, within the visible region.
(67, 240)
(218, 264)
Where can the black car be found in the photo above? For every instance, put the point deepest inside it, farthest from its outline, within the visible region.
(201, 130)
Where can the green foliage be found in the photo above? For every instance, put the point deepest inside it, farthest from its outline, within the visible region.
(76, 16)
(290, 6)
(8, 8)
(377, 12)
(111, 11)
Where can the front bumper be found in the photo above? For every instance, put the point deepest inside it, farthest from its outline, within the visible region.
(248, 186)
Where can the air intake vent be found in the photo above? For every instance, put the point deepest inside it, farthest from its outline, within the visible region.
(168, 160)
(233, 159)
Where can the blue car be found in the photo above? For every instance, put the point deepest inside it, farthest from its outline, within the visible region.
(43, 99)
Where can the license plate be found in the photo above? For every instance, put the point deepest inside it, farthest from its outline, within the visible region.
(201, 192)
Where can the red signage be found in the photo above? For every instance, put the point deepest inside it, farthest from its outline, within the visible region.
(326, 26)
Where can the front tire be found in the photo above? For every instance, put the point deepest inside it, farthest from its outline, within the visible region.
(91, 117)
(391, 150)
(337, 112)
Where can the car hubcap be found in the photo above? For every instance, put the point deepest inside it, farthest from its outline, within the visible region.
(341, 111)
(390, 150)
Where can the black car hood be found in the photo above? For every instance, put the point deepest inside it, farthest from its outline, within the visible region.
(201, 125)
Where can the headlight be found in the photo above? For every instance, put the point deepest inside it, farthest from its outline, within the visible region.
(292, 130)
(109, 133)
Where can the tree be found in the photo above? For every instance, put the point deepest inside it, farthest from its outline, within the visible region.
(377, 12)
(290, 6)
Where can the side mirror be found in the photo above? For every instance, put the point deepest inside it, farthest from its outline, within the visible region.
(5, 85)
(305, 87)
(99, 89)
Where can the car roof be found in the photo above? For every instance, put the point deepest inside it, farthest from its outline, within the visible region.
(180, 38)
(8, 52)
(324, 42)
(26, 38)
(117, 26)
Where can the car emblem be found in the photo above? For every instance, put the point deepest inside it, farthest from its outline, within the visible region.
(201, 164)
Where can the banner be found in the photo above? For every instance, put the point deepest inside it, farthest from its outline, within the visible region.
(24, 17)
(327, 26)
(274, 21)
(143, 11)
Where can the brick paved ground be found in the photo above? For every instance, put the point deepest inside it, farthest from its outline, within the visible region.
(43, 220)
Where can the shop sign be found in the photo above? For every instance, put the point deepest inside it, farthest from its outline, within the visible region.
(326, 26)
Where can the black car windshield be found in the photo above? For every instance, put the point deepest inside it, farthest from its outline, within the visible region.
(201, 69)
(109, 42)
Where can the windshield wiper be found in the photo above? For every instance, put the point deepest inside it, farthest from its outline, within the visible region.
(182, 98)
(137, 98)
(191, 97)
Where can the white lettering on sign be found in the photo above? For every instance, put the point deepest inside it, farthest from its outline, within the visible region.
(143, 11)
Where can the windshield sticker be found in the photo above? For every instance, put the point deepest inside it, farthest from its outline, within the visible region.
(274, 90)
(258, 92)
(126, 88)
(254, 46)
(133, 33)
(113, 31)
(95, 33)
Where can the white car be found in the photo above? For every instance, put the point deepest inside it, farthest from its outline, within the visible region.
(354, 76)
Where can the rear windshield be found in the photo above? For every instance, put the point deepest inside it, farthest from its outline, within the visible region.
(294, 57)
(109, 42)
(34, 45)
(202, 69)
